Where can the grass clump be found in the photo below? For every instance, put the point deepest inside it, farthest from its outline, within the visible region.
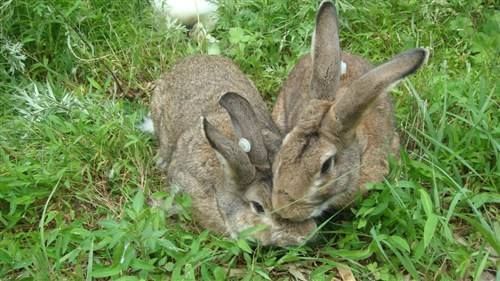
(77, 177)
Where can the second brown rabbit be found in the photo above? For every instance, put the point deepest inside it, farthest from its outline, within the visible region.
(339, 127)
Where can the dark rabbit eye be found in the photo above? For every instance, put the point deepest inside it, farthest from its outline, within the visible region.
(257, 207)
(327, 165)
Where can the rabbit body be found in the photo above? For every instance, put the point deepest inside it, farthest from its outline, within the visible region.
(230, 189)
(339, 128)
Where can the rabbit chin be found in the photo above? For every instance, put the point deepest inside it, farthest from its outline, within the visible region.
(283, 239)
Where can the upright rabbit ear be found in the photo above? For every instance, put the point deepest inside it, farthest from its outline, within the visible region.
(236, 164)
(326, 53)
(255, 136)
(363, 91)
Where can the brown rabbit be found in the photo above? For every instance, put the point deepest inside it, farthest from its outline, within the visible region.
(217, 140)
(339, 127)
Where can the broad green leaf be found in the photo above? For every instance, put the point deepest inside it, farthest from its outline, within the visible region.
(169, 245)
(206, 272)
(351, 254)
(243, 245)
(5, 256)
(94, 83)
(237, 35)
(426, 202)
(105, 271)
(189, 273)
(399, 243)
(429, 229)
(408, 264)
(71, 256)
(320, 272)
(419, 250)
(219, 274)
(169, 266)
(81, 232)
(484, 198)
(480, 267)
(262, 273)
(50, 216)
(138, 201)
(128, 278)
(109, 224)
(138, 264)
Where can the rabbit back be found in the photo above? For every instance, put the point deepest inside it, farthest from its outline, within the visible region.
(192, 89)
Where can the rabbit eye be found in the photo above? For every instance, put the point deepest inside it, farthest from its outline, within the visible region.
(257, 207)
(327, 165)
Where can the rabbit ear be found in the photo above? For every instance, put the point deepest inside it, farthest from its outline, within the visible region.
(326, 53)
(236, 164)
(272, 140)
(256, 136)
(363, 91)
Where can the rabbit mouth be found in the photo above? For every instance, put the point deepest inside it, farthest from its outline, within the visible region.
(311, 205)
(283, 239)
(289, 241)
(331, 195)
(329, 203)
(332, 199)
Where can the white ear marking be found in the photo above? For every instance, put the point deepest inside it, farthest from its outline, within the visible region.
(343, 68)
(245, 144)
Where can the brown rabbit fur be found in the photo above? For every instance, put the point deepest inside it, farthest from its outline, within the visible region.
(200, 109)
(339, 128)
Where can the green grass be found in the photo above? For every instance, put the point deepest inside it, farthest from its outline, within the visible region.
(76, 176)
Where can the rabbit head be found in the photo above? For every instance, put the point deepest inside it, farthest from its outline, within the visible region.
(318, 164)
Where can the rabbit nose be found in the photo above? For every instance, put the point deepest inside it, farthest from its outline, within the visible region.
(287, 207)
(293, 211)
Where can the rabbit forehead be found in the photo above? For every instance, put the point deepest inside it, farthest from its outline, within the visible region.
(299, 162)
(313, 148)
